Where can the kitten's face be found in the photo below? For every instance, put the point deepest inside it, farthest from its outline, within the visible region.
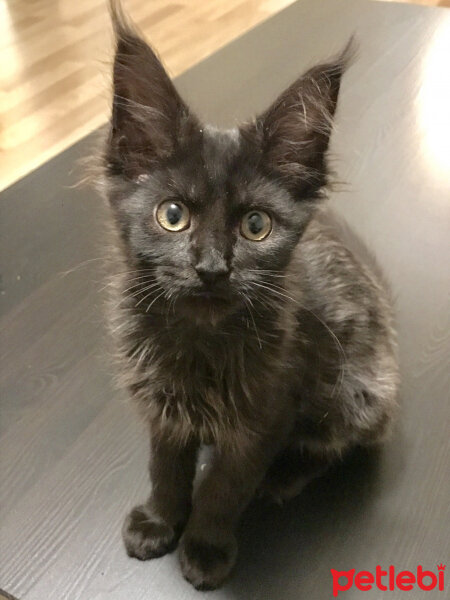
(210, 227)
(209, 218)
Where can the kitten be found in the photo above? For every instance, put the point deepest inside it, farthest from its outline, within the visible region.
(241, 322)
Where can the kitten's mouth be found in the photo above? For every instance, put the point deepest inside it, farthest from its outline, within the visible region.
(209, 294)
(209, 300)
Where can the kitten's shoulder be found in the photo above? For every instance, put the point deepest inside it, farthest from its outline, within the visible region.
(338, 266)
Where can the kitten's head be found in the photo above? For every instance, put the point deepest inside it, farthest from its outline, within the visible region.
(210, 216)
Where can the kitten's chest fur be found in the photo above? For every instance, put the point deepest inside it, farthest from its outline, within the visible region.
(205, 382)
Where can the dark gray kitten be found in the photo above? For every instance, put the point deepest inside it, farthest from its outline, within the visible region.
(241, 321)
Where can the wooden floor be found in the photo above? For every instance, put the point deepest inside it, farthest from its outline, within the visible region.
(55, 56)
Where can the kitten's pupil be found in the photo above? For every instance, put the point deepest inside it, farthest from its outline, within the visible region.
(255, 223)
(173, 214)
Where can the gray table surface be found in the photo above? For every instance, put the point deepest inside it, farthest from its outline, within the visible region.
(73, 453)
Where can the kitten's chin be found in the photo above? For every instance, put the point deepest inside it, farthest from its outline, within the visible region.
(205, 311)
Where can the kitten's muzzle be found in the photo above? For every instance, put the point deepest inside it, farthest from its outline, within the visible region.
(212, 276)
(212, 268)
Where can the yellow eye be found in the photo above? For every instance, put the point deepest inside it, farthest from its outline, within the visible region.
(256, 225)
(173, 216)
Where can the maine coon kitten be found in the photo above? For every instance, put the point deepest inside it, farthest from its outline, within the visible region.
(241, 321)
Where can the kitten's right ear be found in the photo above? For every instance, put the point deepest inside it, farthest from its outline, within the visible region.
(149, 118)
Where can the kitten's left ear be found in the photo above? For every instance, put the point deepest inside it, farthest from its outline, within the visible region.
(292, 135)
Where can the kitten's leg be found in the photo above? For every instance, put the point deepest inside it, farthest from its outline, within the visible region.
(208, 547)
(152, 529)
(291, 471)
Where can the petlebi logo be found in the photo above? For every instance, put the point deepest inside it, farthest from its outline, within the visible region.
(388, 580)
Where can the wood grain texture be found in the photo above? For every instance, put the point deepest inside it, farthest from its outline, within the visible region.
(5, 596)
(72, 452)
(53, 83)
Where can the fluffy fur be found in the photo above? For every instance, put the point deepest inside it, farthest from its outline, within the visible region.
(283, 362)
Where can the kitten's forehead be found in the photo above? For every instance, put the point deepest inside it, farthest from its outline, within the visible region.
(219, 171)
(220, 149)
(203, 174)
(221, 139)
(226, 136)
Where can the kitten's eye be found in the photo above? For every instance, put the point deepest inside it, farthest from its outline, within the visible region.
(256, 225)
(173, 216)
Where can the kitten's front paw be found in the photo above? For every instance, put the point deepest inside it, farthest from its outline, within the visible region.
(206, 564)
(146, 535)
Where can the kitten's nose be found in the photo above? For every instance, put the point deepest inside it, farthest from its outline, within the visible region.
(212, 267)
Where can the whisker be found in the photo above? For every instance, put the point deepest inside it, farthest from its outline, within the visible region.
(136, 284)
(247, 306)
(76, 267)
(153, 301)
(147, 295)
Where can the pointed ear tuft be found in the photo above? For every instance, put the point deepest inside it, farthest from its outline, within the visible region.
(149, 119)
(120, 21)
(293, 134)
